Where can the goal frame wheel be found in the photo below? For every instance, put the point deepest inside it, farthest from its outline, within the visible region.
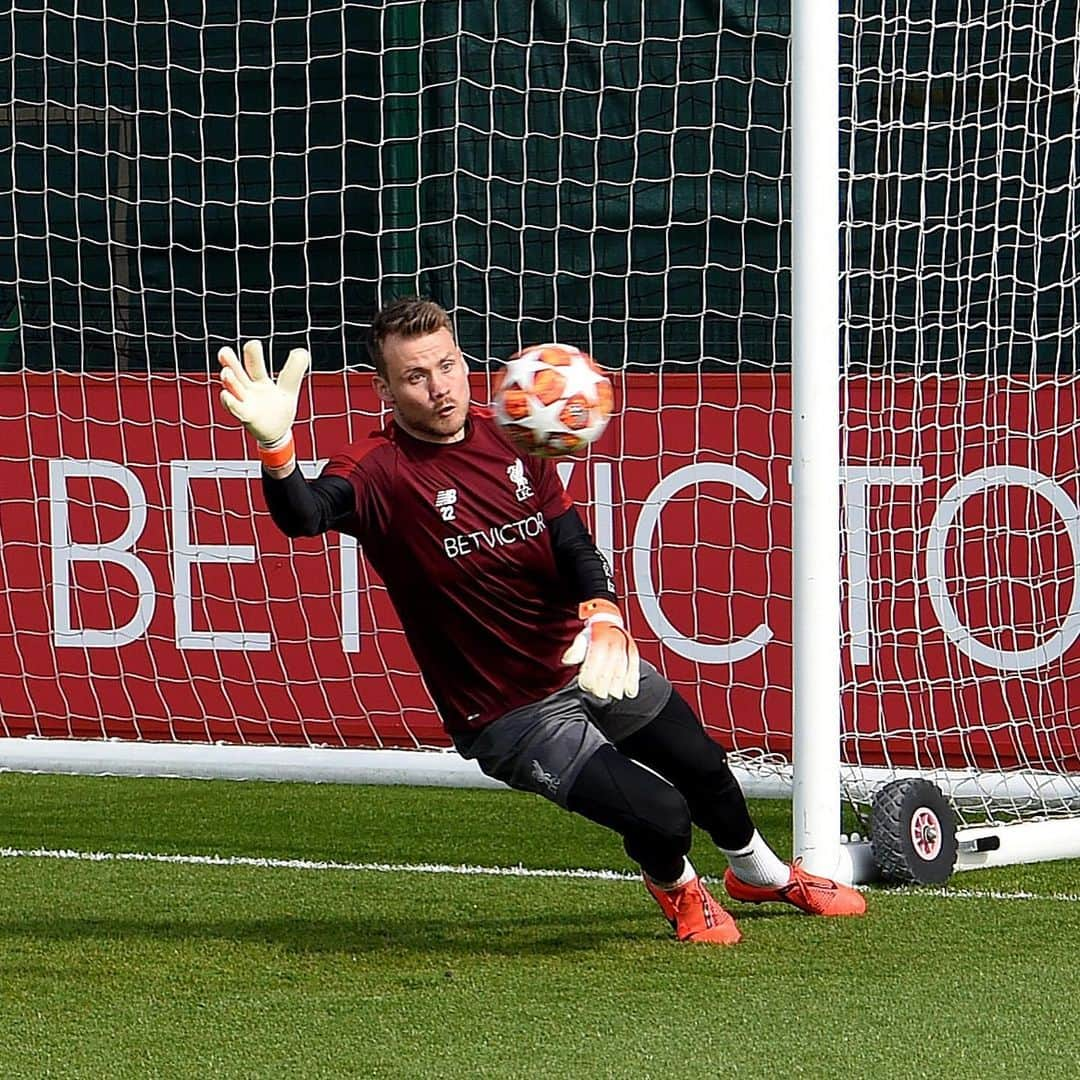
(913, 833)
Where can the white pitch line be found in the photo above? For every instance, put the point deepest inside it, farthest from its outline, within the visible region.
(463, 870)
(982, 894)
(308, 864)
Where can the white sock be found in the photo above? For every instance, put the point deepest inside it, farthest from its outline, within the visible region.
(688, 875)
(758, 864)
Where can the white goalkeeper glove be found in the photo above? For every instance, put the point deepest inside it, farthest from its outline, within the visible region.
(267, 409)
(610, 667)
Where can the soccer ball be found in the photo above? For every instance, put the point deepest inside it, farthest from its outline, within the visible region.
(552, 400)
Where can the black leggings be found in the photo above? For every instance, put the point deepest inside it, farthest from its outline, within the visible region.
(654, 815)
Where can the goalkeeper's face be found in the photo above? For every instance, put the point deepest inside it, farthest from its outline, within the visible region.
(427, 384)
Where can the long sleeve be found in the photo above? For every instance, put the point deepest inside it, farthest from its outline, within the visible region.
(302, 507)
(578, 559)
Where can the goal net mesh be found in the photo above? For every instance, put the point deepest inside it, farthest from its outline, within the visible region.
(613, 176)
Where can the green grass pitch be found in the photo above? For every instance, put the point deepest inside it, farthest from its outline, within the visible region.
(173, 969)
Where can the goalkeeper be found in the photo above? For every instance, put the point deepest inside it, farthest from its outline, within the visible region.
(511, 613)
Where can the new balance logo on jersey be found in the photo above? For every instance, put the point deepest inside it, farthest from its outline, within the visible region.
(516, 472)
(445, 501)
(545, 779)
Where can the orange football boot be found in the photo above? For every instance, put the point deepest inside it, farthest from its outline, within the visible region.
(694, 914)
(809, 893)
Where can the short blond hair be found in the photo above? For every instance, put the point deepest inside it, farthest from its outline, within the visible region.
(406, 317)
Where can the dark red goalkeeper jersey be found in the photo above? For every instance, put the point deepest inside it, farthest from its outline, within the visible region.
(458, 533)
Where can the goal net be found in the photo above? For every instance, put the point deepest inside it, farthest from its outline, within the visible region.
(617, 178)
(960, 399)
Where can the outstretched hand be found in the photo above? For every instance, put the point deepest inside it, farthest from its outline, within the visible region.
(266, 408)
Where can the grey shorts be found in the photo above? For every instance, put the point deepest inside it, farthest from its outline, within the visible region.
(541, 747)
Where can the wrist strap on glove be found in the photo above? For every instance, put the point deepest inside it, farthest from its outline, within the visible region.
(278, 453)
(599, 611)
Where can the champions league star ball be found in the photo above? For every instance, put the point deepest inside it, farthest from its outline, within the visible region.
(552, 400)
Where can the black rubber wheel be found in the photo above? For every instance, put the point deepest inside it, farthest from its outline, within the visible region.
(913, 833)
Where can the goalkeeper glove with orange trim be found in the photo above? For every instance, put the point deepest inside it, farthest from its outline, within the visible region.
(265, 407)
(610, 667)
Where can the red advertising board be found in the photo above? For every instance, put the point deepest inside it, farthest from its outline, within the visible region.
(147, 595)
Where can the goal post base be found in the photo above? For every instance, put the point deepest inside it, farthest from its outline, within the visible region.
(210, 761)
(980, 847)
(308, 764)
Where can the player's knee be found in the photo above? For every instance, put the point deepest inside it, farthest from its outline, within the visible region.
(614, 791)
(664, 814)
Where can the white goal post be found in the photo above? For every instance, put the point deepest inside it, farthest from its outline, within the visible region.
(832, 263)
